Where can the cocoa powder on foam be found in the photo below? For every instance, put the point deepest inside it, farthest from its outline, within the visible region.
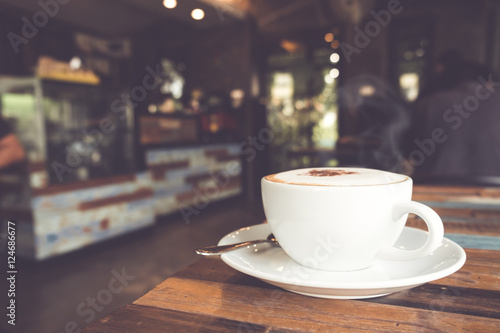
(312, 173)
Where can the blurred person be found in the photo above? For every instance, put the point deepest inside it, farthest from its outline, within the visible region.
(440, 80)
(457, 130)
(11, 150)
(381, 122)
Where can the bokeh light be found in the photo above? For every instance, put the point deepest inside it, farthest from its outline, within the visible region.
(170, 4)
(334, 58)
(197, 14)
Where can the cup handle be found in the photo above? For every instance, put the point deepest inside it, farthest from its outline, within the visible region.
(434, 236)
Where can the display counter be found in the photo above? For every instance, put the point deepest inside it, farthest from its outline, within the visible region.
(188, 178)
(74, 191)
(69, 217)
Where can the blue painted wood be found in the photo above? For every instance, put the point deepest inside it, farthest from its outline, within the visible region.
(464, 204)
(475, 220)
(476, 241)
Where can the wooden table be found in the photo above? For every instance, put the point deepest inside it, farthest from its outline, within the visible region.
(209, 296)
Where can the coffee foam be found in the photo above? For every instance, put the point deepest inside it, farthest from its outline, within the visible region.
(336, 177)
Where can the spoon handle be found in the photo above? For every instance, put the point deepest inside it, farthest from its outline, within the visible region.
(217, 250)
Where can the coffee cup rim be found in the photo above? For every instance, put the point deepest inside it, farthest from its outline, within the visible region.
(407, 178)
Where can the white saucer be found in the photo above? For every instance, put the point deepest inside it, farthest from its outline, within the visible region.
(272, 265)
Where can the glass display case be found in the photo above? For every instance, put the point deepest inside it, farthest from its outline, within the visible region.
(85, 134)
(69, 130)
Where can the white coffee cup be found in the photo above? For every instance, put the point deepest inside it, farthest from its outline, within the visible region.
(344, 219)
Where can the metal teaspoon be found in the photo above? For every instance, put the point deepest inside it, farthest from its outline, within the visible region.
(217, 250)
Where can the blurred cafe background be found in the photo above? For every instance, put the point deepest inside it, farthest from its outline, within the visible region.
(134, 131)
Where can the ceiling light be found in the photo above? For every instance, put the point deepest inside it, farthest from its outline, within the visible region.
(170, 3)
(197, 14)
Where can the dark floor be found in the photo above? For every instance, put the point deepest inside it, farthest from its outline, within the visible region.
(55, 292)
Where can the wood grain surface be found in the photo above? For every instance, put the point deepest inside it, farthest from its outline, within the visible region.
(209, 296)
